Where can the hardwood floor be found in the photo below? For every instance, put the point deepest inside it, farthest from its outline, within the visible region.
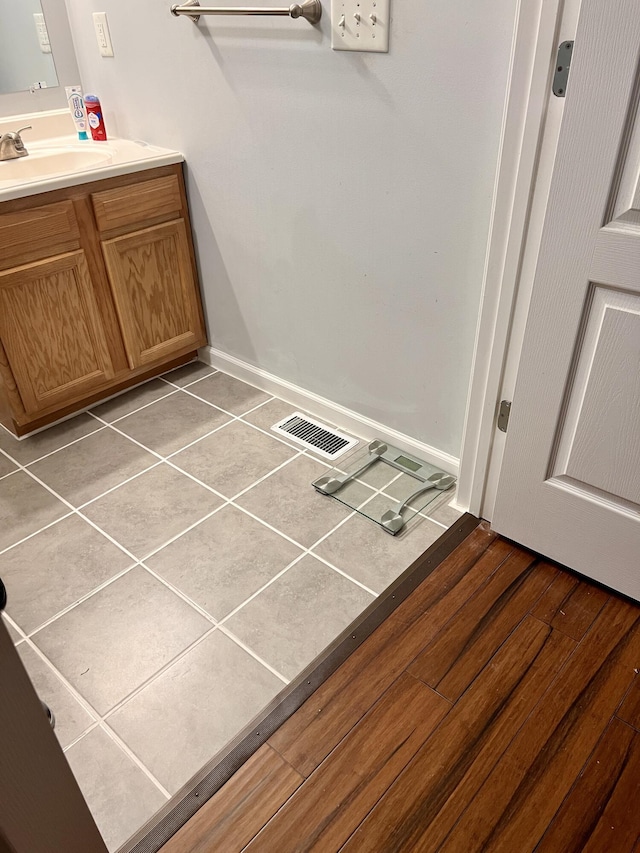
(497, 709)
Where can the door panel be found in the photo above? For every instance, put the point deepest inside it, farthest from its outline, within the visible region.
(155, 292)
(599, 444)
(51, 331)
(570, 480)
(42, 808)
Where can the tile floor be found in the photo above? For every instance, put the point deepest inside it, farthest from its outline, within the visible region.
(169, 569)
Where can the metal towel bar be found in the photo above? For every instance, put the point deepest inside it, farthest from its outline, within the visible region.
(310, 10)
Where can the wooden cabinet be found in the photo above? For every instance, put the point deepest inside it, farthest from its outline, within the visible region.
(154, 291)
(51, 331)
(98, 291)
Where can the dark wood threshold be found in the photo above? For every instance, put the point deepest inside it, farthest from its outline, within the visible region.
(497, 708)
(222, 767)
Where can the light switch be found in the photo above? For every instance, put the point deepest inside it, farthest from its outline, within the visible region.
(360, 25)
(43, 35)
(102, 33)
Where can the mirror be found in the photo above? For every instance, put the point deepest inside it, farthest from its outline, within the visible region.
(16, 16)
(26, 60)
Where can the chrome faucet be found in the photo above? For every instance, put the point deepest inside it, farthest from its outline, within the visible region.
(12, 146)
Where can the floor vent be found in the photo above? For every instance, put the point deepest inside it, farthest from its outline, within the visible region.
(315, 436)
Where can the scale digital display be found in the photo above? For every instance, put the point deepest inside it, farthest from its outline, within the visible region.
(408, 463)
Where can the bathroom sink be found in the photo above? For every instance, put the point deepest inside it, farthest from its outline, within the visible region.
(63, 161)
(43, 162)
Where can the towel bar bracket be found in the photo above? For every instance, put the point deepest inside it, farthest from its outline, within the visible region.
(310, 10)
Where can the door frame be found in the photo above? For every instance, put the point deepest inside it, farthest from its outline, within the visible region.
(530, 132)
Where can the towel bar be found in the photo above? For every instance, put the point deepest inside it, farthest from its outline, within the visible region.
(310, 10)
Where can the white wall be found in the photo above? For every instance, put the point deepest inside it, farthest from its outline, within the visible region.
(340, 201)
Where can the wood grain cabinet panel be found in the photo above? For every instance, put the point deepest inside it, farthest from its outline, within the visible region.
(155, 292)
(52, 332)
(136, 205)
(98, 292)
(38, 232)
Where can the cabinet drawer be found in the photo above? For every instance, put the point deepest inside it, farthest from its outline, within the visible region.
(136, 204)
(40, 232)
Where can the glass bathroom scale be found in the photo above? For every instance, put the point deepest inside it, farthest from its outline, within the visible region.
(385, 484)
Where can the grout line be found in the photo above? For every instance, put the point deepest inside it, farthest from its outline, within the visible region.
(256, 407)
(251, 652)
(44, 485)
(214, 370)
(326, 535)
(140, 408)
(165, 666)
(134, 440)
(346, 575)
(183, 596)
(266, 476)
(102, 720)
(259, 406)
(94, 725)
(183, 532)
(239, 417)
(109, 537)
(262, 588)
(35, 533)
(73, 509)
(305, 551)
(64, 446)
(200, 438)
(267, 525)
(433, 521)
(75, 693)
(136, 561)
(226, 502)
(123, 483)
(15, 626)
(159, 456)
(273, 435)
(9, 473)
(207, 402)
(106, 728)
(196, 480)
(82, 599)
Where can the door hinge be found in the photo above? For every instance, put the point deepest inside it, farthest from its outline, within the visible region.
(503, 415)
(563, 64)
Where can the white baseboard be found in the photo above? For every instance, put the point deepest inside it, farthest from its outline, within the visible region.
(322, 408)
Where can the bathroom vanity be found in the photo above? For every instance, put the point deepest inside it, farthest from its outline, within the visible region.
(98, 285)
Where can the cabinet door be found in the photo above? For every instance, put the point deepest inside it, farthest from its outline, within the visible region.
(155, 292)
(52, 332)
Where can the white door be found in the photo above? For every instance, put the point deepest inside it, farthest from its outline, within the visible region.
(570, 480)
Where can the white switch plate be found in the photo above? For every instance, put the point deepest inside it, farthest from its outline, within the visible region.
(43, 35)
(360, 25)
(102, 33)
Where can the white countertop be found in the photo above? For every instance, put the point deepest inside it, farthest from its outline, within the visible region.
(65, 161)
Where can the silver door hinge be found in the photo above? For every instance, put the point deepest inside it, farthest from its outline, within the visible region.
(503, 415)
(563, 64)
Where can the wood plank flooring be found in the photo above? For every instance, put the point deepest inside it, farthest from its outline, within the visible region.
(497, 709)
